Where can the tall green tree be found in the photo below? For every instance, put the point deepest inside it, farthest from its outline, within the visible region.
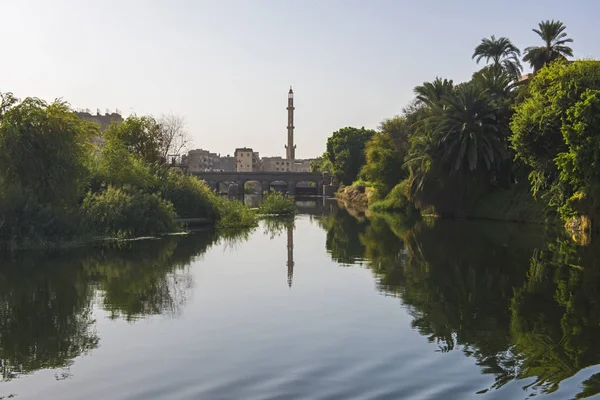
(555, 45)
(468, 131)
(346, 152)
(44, 150)
(399, 129)
(554, 132)
(431, 93)
(501, 52)
(140, 136)
(383, 166)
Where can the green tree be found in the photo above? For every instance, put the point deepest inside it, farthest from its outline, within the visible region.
(501, 52)
(431, 93)
(383, 166)
(555, 39)
(44, 151)
(321, 164)
(346, 152)
(141, 137)
(468, 131)
(399, 129)
(554, 133)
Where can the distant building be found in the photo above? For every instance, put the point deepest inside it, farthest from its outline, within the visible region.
(200, 160)
(226, 164)
(302, 165)
(276, 164)
(103, 121)
(246, 160)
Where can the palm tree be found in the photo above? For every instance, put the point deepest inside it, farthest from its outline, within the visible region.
(494, 82)
(431, 93)
(555, 38)
(468, 131)
(501, 52)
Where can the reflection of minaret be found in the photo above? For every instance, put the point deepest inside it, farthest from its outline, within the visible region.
(290, 149)
(290, 253)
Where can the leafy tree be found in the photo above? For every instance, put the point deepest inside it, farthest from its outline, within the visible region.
(399, 129)
(321, 164)
(383, 166)
(346, 152)
(140, 136)
(44, 150)
(503, 54)
(555, 39)
(554, 133)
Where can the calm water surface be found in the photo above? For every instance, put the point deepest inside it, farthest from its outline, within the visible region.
(329, 306)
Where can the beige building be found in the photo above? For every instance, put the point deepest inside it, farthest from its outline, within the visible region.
(103, 121)
(246, 160)
(276, 164)
(226, 164)
(200, 160)
(302, 165)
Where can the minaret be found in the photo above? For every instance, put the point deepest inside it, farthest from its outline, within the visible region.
(290, 148)
(290, 254)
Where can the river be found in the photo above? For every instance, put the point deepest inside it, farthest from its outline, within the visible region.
(326, 306)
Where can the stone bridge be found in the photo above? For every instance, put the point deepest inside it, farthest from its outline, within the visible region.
(264, 178)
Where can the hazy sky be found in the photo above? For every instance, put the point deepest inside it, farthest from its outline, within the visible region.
(226, 66)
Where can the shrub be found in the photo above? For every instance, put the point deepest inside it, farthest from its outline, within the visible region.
(127, 213)
(396, 201)
(234, 214)
(276, 203)
(25, 222)
(190, 197)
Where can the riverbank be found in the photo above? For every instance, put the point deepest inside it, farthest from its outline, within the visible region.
(515, 204)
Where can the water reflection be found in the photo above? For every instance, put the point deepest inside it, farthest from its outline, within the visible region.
(46, 299)
(277, 226)
(522, 302)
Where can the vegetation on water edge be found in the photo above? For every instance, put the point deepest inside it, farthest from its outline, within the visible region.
(474, 148)
(59, 186)
(277, 203)
(396, 201)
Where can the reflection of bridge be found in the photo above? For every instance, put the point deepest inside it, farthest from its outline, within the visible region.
(266, 179)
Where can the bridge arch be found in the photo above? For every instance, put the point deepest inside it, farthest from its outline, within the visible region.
(266, 179)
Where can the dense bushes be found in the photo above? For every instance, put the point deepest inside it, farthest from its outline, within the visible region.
(190, 197)
(396, 201)
(234, 214)
(275, 203)
(555, 133)
(117, 212)
(56, 187)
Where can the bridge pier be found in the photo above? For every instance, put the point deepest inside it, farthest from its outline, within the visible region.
(265, 186)
(292, 188)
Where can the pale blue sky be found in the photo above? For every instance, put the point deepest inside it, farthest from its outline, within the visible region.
(226, 65)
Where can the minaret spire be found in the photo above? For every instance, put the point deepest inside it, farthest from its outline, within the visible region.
(290, 148)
